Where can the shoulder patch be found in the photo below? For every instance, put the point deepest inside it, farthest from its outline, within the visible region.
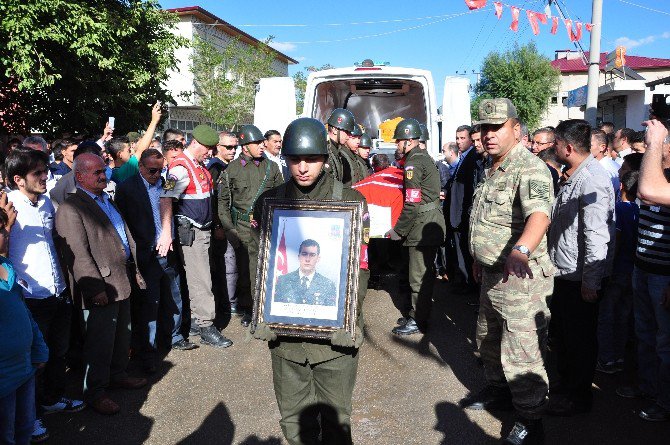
(169, 182)
(538, 190)
(409, 167)
(409, 174)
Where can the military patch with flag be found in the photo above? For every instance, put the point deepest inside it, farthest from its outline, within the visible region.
(539, 189)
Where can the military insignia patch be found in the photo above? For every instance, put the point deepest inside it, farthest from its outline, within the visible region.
(169, 183)
(539, 189)
(489, 108)
(409, 174)
(339, 120)
(366, 235)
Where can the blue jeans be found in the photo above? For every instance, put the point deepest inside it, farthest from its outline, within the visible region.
(162, 300)
(616, 308)
(652, 327)
(17, 415)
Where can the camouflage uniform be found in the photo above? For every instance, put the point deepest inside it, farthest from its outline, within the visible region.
(513, 316)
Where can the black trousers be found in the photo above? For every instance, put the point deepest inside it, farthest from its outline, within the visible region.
(53, 316)
(573, 336)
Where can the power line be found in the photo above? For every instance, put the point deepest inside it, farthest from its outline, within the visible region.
(372, 22)
(644, 7)
(467, 55)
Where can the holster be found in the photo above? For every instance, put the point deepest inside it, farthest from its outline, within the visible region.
(185, 232)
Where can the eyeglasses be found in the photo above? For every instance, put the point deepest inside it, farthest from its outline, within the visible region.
(151, 171)
(229, 147)
(542, 143)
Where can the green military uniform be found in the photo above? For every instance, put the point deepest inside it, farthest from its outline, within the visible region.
(512, 324)
(421, 224)
(306, 371)
(363, 168)
(334, 163)
(240, 185)
(351, 171)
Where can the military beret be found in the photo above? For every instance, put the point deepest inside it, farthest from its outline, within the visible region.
(206, 135)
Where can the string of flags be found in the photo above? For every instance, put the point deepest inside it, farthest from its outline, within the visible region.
(535, 18)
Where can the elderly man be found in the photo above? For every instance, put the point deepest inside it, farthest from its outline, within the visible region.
(98, 251)
(543, 139)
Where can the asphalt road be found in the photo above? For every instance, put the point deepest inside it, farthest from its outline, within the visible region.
(407, 392)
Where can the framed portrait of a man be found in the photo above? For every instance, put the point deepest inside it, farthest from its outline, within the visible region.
(308, 267)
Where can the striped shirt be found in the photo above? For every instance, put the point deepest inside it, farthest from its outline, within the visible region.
(653, 240)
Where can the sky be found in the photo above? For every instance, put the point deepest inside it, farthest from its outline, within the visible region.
(442, 36)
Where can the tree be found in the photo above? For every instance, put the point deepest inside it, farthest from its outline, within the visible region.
(300, 81)
(522, 75)
(225, 78)
(69, 64)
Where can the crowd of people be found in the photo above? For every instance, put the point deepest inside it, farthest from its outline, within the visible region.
(120, 246)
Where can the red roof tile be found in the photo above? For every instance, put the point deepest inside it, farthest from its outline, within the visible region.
(634, 62)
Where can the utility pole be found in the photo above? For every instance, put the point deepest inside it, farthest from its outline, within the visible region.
(591, 113)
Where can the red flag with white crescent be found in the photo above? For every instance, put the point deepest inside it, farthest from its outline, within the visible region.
(578, 36)
(499, 9)
(554, 25)
(515, 19)
(282, 264)
(475, 4)
(588, 26)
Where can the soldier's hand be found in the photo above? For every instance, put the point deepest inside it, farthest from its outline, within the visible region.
(263, 332)
(393, 235)
(589, 295)
(517, 265)
(477, 272)
(343, 338)
(233, 238)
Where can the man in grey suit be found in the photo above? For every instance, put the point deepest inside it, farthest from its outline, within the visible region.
(98, 250)
(305, 285)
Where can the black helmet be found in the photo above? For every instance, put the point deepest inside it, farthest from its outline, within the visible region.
(407, 129)
(342, 119)
(424, 134)
(249, 134)
(357, 131)
(305, 136)
(366, 141)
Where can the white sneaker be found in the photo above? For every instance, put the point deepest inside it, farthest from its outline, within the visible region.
(40, 433)
(65, 405)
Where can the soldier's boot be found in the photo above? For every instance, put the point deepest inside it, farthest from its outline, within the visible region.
(246, 319)
(490, 398)
(526, 432)
(212, 337)
(410, 327)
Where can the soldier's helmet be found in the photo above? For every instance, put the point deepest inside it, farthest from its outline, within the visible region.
(424, 134)
(366, 141)
(357, 131)
(249, 134)
(305, 137)
(407, 129)
(342, 119)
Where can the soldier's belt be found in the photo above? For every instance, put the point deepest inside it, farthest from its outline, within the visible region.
(430, 206)
(239, 216)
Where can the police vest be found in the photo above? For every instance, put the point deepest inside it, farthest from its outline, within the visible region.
(195, 202)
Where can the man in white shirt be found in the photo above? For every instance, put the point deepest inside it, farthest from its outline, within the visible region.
(32, 250)
(272, 151)
(621, 143)
(601, 153)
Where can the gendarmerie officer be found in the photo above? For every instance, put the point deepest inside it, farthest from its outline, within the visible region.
(314, 379)
(341, 124)
(240, 185)
(420, 225)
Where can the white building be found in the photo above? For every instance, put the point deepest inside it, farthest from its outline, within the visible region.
(622, 101)
(195, 21)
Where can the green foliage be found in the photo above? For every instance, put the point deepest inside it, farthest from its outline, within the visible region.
(524, 76)
(66, 65)
(300, 81)
(225, 78)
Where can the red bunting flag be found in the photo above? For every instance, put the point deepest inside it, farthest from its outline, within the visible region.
(554, 25)
(578, 36)
(588, 26)
(499, 9)
(475, 4)
(515, 19)
(533, 18)
(568, 26)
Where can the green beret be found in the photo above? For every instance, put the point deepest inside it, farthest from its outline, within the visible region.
(133, 136)
(206, 135)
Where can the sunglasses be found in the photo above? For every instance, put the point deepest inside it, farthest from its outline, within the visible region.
(229, 147)
(152, 171)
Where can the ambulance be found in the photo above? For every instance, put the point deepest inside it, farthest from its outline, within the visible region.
(377, 94)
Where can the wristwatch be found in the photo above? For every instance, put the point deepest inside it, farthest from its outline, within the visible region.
(522, 249)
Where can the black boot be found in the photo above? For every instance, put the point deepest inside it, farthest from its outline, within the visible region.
(212, 337)
(526, 432)
(490, 398)
(246, 319)
(410, 327)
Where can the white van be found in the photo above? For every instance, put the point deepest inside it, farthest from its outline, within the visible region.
(373, 93)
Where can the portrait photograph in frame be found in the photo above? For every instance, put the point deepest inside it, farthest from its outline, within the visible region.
(307, 276)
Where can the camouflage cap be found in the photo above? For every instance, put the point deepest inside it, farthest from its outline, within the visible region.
(206, 135)
(496, 111)
(133, 136)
